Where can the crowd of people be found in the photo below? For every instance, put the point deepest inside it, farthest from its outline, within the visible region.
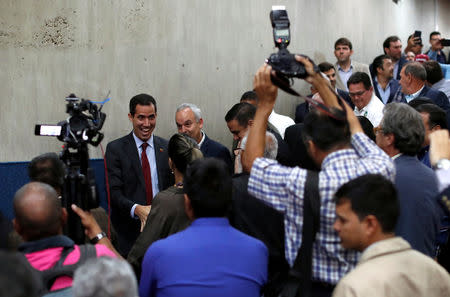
(359, 182)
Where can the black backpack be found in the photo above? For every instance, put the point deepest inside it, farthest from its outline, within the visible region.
(47, 277)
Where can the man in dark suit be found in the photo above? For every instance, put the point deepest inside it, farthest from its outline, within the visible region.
(401, 136)
(189, 121)
(412, 82)
(384, 85)
(137, 169)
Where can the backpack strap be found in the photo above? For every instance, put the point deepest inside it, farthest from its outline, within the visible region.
(302, 268)
(50, 275)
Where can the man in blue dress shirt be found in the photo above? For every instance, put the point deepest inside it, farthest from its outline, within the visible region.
(209, 258)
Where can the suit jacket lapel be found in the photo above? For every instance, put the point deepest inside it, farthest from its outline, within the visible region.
(158, 150)
(133, 154)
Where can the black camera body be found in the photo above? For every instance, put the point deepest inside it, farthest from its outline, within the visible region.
(80, 129)
(285, 65)
(283, 62)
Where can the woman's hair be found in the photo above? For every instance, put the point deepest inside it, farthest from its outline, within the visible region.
(182, 151)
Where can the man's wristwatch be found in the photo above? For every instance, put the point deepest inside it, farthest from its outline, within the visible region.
(443, 164)
(98, 237)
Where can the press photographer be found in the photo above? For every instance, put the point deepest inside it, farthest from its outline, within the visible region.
(342, 151)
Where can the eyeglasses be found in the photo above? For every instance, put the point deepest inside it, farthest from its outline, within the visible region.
(357, 93)
(377, 130)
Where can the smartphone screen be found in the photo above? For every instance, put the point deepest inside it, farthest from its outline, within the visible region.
(47, 130)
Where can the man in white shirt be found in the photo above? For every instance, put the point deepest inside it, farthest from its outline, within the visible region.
(362, 95)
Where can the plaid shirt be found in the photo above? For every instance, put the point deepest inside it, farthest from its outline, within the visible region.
(283, 188)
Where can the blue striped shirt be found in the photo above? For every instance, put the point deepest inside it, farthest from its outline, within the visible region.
(283, 188)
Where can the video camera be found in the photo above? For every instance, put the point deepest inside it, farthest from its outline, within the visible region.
(82, 127)
(283, 62)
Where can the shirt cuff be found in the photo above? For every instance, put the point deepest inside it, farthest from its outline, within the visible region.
(443, 176)
(132, 211)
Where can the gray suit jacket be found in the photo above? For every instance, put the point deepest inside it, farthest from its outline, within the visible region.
(357, 67)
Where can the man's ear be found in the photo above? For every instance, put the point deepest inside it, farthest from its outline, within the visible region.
(351, 52)
(200, 123)
(390, 139)
(64, 216)
(372, 226)
(130, 117)
(188, 208)
(250, 123)
(17, 227)
(311, 147)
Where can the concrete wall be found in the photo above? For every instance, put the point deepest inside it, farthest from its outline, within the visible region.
(199, 51)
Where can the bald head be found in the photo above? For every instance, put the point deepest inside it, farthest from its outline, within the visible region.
(38, 211)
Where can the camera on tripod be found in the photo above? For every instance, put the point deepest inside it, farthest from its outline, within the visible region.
(283, 62)
(81, 128)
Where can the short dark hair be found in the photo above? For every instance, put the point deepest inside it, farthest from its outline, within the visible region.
(183, 150)
(207, 183)
(360, 77)
(378, 62)
(437, 115)
(325, 66)
(367, 127)
(434, 71)
(141, 99)
(49, 169)
(419, 101)
(387, 42)
(324, 131)
(241, 112)
(434, 33)
(343, 41)
(249, 95)
(372, 194)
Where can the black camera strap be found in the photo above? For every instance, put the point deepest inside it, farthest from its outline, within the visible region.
(299, 278)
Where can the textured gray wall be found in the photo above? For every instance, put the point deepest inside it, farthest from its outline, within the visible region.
(199, 51)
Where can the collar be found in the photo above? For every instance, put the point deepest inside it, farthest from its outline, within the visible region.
(214, 221)
(396, 156)
(45, 243)
(412, 96)
(203, 139)
(340, 69)
(388, 84)
(385, 247)
(139, 142)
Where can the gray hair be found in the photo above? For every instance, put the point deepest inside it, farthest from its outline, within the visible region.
(417, 70)
(105, 277)
(197, 112)
(407, 126)
(271, 148)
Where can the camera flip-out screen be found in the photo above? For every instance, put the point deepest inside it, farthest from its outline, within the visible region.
(47, 130)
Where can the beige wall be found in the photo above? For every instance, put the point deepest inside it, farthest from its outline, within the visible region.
(199, 51)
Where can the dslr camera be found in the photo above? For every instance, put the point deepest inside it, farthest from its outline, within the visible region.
(283, 62)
